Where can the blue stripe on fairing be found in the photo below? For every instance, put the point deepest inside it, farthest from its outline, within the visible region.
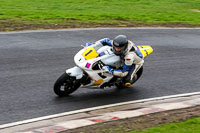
(102, 53)
(139, 52)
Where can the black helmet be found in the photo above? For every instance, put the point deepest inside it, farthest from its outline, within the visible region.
(120, 44)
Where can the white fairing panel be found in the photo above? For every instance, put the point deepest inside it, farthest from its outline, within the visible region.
(75, 72)
(112, 60)
(105, 54)
(104, 48)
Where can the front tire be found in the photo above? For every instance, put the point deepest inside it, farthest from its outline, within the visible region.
(65, 85)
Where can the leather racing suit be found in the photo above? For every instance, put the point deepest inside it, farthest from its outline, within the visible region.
(132, 60)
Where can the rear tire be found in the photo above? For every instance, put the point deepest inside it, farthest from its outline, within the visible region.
(139, 73)
(65, 85)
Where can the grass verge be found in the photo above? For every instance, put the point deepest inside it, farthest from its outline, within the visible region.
(189, 126)
(37, 14)
(181, 121)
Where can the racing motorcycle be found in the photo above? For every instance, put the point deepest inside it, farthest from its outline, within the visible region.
(89, 71)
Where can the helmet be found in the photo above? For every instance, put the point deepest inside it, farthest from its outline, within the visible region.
(120, 44)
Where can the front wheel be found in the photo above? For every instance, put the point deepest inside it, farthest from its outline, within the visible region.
(65, 85)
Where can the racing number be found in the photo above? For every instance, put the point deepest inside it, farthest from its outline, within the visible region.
(88, 53)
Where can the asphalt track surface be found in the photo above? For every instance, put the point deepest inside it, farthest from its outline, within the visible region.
(30, 62)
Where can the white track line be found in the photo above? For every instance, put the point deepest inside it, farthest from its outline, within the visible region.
(89, 29)
(93, 108)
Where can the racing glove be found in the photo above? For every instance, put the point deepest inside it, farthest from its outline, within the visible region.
(107, 69)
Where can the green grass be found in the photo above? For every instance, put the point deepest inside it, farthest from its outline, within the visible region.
(189, 126)
(100, 11)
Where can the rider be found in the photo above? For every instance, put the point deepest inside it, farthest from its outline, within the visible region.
(132, 58)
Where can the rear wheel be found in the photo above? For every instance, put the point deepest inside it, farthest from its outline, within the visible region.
(65, 85)
(139, 74)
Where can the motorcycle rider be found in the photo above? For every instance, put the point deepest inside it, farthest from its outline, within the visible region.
(131, 57)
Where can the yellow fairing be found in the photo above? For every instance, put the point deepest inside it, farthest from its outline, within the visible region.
(146, 50)
(98, 82)
(90, 53)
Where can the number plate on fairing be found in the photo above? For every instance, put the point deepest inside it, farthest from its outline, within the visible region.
(90, 53)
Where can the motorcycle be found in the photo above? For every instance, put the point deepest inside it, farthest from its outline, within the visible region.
(89, 71)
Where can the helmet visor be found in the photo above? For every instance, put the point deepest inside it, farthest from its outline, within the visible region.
(119, 50)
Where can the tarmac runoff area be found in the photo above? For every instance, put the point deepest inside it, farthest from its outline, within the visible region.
(91, 116)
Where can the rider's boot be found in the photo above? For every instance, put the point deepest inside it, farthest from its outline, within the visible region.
(129, 83)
